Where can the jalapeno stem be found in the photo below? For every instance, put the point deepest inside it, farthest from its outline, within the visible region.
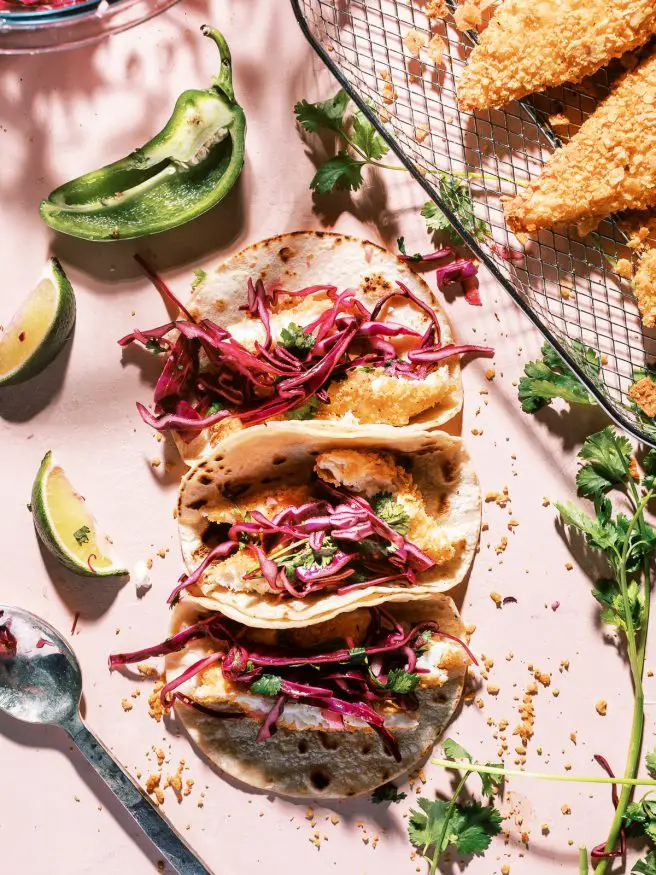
(223, 82)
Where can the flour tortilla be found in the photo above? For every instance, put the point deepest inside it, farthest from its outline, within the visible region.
(297, 260)
(320, 764)
(279, 453)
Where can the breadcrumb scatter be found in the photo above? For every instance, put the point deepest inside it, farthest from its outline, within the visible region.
(602, 707)
(155, 707)
(565, 809)
(414, 42)
(148, 671)
(644, 394)
(606, 167)
(436, 48)
(436, 9)
(468, 16)
(528, 46)
(490, 374)
(126, 704)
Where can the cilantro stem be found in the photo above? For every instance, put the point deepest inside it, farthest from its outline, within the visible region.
(583, 861)
(447, 820)
(482, 769)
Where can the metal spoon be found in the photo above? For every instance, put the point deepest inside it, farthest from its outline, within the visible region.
(42, 683)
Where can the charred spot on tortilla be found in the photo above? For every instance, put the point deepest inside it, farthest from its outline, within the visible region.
(375, 283)
(285, 254)
(449, 471)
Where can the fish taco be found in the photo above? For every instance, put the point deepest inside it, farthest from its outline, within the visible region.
(304, 326)
(284, 528)
(331, 710)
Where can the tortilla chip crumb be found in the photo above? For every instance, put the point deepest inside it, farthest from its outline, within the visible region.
(565, 809)
(436, 9)
(435, 49)
(467, 16)
(126, 705)
(644, 394)
(414, 41)
(496, 598)
(602, 707)
(156, 708)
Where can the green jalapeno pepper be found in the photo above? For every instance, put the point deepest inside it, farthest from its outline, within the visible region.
(182, 172)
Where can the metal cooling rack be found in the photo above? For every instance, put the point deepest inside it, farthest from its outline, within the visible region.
(563, 284)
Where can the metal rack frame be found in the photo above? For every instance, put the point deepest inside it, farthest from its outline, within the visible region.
(356, 40)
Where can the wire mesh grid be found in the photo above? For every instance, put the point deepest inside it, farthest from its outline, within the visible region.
(564, 283)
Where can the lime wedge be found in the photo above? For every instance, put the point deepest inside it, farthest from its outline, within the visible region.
(40, 329)
(66, 527)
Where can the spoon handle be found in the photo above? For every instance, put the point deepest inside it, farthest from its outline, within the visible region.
(158, 829)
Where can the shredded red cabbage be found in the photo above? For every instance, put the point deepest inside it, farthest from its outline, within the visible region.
(350, 681)
(8, 642)
(209, 376)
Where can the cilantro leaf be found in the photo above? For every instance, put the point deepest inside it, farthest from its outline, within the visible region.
(454, 751)
(343, 172)
(551, 378)
(367, 139)
(470, 828)
(609, 455)
(391, 511)
(598, 535)
(387, 793)
(646, 866)
(400, 242)
(200, 276)
(214, 407)
(649, 464)
(153, 346)
(82, 535)
(650, 760)
(296, 339)
(455, 195)
(358, 654)
(305, 411)
(609, 595)
(401, 681)
(327, 114)
(267, 685)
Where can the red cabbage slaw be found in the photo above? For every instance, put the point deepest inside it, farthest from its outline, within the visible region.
(349, 681)
(270, 380)
(334, 542)
(8, 642)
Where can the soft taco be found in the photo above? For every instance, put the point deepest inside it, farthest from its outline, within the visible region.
(304, 326)
(332, 710)
(284, 528)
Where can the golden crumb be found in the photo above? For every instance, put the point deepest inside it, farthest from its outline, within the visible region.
(644, 394)
(501, 546)
(149, 563)
(421, 132)
(569, 566)
(602, 707)
(148, 671)
(126, 705)
(624, 268)
(512, 524)
(559, 121)
(334, 819)
(565, 809)
(644, 286)
(156, 708)
(152, 781)
(309, 813)
(545, 829)
(436, 9)
(435, 49)
(633, 469)
(493, 689)
(542, 677)
(162, 553)
(155, 463)
(467, 16)
(496, 598)
(572, 737)
(505, 869)
(545, 502)
(490, 374)
(414, 41)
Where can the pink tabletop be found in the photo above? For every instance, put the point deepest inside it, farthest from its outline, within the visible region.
(63, 114)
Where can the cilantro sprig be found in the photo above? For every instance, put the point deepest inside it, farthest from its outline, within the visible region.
(387, 793)
(391, 511)
(456, 195)
(468, 827)
(297, 340)
(549, 378)
(628, 545)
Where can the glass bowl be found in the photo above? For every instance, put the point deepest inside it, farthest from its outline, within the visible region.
(30, 28)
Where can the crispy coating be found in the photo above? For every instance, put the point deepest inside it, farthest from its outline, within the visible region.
(369, 473)
(644, 286)
(644, 394)
(372, 396)
(530, 45)
(608, 166)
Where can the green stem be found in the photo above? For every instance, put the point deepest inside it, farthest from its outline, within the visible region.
(481, 769)
(447, 820)
(583, 861)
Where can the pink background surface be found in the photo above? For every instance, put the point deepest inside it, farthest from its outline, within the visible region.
(63, 114)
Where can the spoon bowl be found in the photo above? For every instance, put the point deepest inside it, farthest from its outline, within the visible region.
(42, 681)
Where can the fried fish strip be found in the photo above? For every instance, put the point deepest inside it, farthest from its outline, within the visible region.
(608, 166)
(530, 45)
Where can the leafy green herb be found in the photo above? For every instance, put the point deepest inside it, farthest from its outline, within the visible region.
(401, 681)
(358, 654)
(297, 340)
(400, 242)
(387, 793)
(469, 828)
(267, 685)
(328, 114)
(367, 139)
(454, 751)
(200, 276)
(305, 411)
(628, 543)
(456, 195)
(551, 378)
(650, 761)
(215, 407)
(343, 172)
(82, 535)
(306, 557)
(391, 511)
(153, 346)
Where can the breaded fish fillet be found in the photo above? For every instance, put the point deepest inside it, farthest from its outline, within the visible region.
(530, 45)
(608, 166)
